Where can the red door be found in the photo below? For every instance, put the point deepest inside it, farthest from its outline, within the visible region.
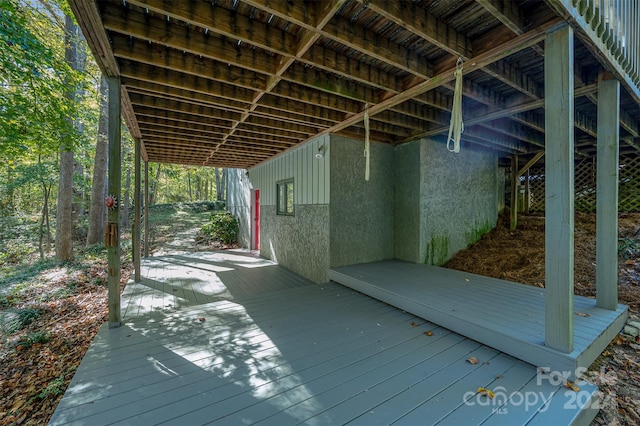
(256, 220)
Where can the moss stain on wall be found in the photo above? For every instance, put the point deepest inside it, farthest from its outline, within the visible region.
(437, 250)
(479, 229)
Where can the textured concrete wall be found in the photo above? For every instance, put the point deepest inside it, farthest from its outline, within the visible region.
(299, 243)
(362, 212)
(458, 199)
(238, 203)
(407, 202)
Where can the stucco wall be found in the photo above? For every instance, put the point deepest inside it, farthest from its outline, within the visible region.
(299, 243)
(362, 212)
(407, 203)
(238, 203)
(458, 199)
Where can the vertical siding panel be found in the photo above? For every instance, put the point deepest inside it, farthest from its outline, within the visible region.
(303, 178)
(327, 169)
(300, 177)
(309, 174)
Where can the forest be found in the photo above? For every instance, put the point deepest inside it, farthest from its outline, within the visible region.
(53, 143)
(53, 184)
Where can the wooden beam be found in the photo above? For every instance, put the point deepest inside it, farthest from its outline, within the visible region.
(135, 73)
(136, 213)
(166, 33)
(559, 189)
(141, 51)
(607, 193)
(416, 19)
(495, 113)
(344, 31)
(88, 17)
(447, 75)
(505, 11)
(530, 163)
(113, 219)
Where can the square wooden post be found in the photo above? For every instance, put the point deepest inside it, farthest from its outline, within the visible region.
(559, 188)
(515, 183)
(146, 209)
(112, 233)
(607, 192)
(136, 214)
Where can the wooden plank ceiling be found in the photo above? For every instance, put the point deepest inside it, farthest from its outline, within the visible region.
(231, 83)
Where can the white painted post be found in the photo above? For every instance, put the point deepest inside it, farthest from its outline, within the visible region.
(112, 234)
(607, 192)
(559, 188)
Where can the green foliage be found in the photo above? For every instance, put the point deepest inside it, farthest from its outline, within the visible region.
(32, 338)
(629, 248)
(33, 79)
(15, 320)
(54, 388)
(222, 227)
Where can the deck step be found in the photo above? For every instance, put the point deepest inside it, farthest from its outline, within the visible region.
(504, 315)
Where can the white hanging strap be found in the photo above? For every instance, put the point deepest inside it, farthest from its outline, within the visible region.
(456, 127)
(366, 142)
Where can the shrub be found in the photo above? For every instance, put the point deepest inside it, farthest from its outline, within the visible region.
(32, 338)
(222, 226)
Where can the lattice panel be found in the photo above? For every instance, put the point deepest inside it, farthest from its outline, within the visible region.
(629, 188)
(536, 189)
(585, 186)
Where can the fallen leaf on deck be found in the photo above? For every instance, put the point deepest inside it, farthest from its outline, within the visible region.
(429, 333)
(414, 324)
(570, 385)
(202, 319)
(582, 314)
(487, 392)
(473, 360)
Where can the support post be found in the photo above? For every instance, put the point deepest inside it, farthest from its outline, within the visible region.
(559, 189)
(527, 192)
(607, 192)
(146, 209)
(136, 214)
(113, 219)
(513, 220)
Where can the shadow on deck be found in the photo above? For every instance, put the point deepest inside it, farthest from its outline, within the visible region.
(504, 315)
(227, 338)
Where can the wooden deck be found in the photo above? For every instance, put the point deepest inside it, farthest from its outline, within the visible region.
(503, 315)
(232, 339)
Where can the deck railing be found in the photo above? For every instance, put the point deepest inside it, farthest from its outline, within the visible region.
(617, 24)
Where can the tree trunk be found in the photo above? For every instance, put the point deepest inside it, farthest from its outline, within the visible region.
(64, 212)
(224, 184)
(189, 186)
(97, 209)
(218, 183)
(124, 219)
(79, 190)
(153, 193)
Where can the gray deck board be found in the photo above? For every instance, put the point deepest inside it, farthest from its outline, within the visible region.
(275, 349)
(504, 315)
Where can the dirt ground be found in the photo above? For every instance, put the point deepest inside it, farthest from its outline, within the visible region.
(518, 256)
